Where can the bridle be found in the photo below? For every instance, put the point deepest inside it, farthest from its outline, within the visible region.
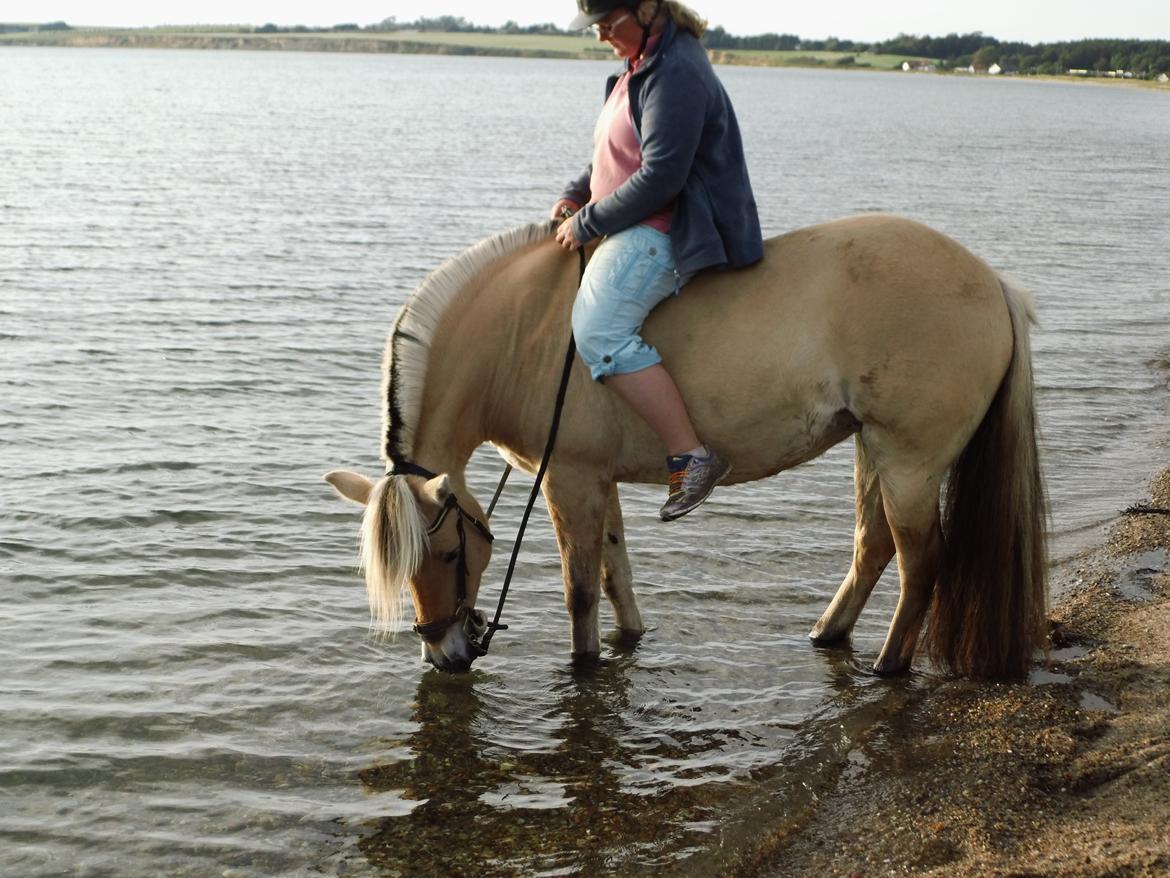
(474, 627)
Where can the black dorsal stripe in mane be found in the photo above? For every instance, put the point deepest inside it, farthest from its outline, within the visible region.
(408, 345)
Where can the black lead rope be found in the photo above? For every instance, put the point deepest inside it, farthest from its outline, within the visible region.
(499, 490)
(494, 625)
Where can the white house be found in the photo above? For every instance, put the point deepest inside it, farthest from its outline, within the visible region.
(1165, 77)
(995, 70)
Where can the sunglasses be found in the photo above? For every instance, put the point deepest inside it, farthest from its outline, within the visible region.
(603, 30)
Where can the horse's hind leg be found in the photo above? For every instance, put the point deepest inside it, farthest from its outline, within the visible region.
(577, 501)
(616, 578)
(911, 506)
(873, 547)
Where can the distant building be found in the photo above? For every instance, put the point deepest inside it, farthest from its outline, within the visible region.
(994, 70)
(918, 67)
(1165, 77)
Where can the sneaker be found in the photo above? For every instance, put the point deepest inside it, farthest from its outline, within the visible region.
(692, 479)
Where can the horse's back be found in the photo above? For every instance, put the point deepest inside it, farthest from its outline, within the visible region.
(868, 320)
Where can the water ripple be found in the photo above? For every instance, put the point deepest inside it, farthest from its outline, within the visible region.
(202, 253)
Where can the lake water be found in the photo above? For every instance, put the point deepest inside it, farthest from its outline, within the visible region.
(200, 254)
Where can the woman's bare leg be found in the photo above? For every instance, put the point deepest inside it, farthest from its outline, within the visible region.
(652, 393)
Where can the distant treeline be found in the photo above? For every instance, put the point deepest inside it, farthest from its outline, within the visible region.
(1141, 58)
(26, 28)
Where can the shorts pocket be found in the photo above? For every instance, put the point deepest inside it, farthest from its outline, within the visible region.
(632, 273)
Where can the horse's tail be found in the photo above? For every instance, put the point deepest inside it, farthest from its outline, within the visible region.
(989, 610)
(393, 540)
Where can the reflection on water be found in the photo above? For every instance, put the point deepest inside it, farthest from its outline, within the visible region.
(584, 801)
(593, 799)
(200, 255)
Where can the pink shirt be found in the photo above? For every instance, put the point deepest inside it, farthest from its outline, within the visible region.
(617, 153)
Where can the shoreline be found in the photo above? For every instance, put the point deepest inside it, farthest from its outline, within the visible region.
(1066, 775)
(578, 50)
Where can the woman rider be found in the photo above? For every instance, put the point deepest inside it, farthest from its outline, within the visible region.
(668, 193)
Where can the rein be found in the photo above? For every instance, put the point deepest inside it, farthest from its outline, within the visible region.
(475, 624)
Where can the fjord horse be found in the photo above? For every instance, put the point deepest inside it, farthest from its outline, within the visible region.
(872, 326)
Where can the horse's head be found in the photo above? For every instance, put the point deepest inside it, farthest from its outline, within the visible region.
(424, 536)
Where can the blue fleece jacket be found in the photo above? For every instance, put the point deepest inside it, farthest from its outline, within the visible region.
(692, 154)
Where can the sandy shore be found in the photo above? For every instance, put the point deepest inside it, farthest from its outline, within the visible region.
(1065, 775)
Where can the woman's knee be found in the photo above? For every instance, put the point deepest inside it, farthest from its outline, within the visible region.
(592, 333)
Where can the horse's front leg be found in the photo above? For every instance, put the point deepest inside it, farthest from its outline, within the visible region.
(617, 581)
(577, 499)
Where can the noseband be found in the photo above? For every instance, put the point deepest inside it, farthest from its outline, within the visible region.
(474, 623)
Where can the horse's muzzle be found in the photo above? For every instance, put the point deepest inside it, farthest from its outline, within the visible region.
(459, 646)
(450, 665)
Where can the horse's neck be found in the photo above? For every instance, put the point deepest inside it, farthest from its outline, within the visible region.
(495, 361)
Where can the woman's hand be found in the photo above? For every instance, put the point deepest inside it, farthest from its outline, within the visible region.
(563, 210)
(565, 236)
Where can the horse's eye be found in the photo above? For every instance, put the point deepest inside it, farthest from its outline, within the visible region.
(449, 557)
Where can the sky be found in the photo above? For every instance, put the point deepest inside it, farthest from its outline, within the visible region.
(1032, 21)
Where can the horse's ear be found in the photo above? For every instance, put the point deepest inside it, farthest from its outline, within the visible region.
(437, 490)
(351, 486)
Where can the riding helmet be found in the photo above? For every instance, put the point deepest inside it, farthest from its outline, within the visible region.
(592, 11)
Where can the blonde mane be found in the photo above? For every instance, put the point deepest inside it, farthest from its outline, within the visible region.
(408, 346)
(393, 544)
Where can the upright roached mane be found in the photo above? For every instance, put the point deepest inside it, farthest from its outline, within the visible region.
(394, 536)
(404, 364)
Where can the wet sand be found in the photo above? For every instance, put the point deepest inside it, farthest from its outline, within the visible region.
(1065, 775)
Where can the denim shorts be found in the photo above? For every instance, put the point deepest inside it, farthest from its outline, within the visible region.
(630, 272)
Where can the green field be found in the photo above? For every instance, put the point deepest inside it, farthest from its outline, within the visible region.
(528, 45)
(864, 60)
(569, 45)
(325, 41)
(589, 45)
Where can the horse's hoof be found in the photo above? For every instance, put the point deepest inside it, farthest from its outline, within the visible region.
(828, 639)
(585, 659)
(627, 638)
(890, 668)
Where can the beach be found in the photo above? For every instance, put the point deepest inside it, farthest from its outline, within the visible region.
(1064, 776)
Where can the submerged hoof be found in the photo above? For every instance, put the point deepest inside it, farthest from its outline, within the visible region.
(828, 639)
(891, 667)
(626, 638)
(585, 659)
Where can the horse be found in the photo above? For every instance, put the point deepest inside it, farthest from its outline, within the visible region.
(872, 326)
